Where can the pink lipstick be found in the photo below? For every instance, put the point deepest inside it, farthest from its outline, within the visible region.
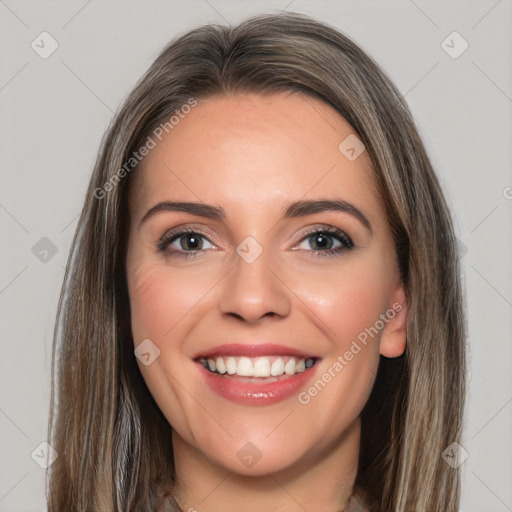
(258, 374)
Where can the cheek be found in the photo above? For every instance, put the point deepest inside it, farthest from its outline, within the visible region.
(346, 308)
(157, 302)
(350, 305)
(145, 291)
(350, 301)
(167, 303)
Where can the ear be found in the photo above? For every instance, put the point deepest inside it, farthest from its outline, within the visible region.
(394, 335)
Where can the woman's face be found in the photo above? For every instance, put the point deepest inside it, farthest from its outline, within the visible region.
(259, 249)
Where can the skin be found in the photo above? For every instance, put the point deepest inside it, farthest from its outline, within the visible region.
(252, 155)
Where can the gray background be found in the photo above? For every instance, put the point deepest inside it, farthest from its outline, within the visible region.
(55, 111)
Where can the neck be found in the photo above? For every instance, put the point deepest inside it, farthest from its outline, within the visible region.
(318, 481)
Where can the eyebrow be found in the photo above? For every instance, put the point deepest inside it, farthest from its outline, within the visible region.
(200, 209)
(303, 208)
(293, 210)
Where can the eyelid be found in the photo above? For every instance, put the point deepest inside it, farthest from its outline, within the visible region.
(325, 228)
(173, 234)
(186, 228)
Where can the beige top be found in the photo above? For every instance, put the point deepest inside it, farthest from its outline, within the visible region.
(355, 504)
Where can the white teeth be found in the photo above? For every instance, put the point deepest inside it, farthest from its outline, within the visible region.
(261, 367)
(231, 365)
(289, 367)
(300, 366)
(277, 367)
(221, 367)
(245, 367)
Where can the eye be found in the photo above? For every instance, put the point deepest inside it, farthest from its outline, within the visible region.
(327, 241)
(179, 243)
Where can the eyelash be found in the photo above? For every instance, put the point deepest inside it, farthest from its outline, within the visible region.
(332, 232)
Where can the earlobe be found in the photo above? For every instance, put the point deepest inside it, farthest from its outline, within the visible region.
(394, 335)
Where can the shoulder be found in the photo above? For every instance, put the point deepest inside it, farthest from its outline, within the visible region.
(168, 504)
(356, 503)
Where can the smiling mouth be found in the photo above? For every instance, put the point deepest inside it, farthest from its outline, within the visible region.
(256, 367)
(256, 374)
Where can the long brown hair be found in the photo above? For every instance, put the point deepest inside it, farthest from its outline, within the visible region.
(114, 444)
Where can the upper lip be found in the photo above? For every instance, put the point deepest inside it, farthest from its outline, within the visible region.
(254, 350)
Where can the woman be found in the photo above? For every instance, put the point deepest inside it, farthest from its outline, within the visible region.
(262, 309)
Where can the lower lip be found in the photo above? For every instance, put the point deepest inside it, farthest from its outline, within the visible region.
(243, 391)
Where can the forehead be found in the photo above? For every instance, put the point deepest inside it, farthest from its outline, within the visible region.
(255, 151)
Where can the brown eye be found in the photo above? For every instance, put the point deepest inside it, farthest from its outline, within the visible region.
(321, 241)
(330, 241)
(191, 242)
(182, 242)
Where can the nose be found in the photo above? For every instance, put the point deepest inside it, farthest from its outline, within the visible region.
(254, 290)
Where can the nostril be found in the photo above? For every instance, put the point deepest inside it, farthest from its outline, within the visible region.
(240, 317)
